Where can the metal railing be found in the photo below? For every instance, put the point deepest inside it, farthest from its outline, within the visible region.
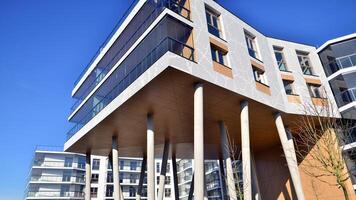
(167, 44)
(102, 72)
(54, 194)
(54, 178)
(341, 63)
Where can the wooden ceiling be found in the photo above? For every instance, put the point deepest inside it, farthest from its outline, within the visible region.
(169, 97)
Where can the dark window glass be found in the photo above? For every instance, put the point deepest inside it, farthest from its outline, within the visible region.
(96, 164)
(288, 87)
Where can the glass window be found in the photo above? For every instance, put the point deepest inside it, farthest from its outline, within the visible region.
(314, 90)
(109, 190)
(158, 167)
(65, 191)
(109, 177)
(281, 62)
(66, 176)
(68, 161)
(122, 164)
(288, 87)
(252, 45)
(259, 76)
(93, 192)
(109, 164)
(167, 192)
(218, 55)
(167, 180)
(96, 164)
(132, 178)
(304, 62)
(133, 165)
(132, 191)
(81, 162)
(94, 178)
(213, 22)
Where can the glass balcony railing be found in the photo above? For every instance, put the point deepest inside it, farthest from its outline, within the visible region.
(341, 63)
(120, 47)
(54, 179)
(127, 75)
(55, 194)
(58, 164)
(346, 97)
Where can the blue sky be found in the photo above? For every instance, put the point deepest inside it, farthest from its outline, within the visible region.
(44, 45)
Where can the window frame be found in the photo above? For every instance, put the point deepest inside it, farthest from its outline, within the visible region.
(315, 90)
(259, 76)
(95, 164)
(211, 18)
(291, 84)
(94, 192)
(280, 50)
(94, 178)
(252, 45)
(217, 55)
(304, 56)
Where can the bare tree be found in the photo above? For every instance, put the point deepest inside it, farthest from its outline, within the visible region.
(235, 155)
(319, 145)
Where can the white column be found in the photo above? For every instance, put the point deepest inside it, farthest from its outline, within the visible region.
(255, 185)
(115, 169)
(142, 177)
(245, 149)
(225, 149)
(87, 176)
(289, 153)
(162, 176)
(150, 159)
(198, 143)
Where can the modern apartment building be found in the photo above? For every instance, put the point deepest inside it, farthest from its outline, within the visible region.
(214, 179)
(338, 57)
(55, 174)
(178, 78)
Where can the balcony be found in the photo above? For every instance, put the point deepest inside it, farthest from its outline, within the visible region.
(340, 63)
(346, 97)
(169, 35)
(55, 194)
(57, 164)
(57, 179)
(138, 25)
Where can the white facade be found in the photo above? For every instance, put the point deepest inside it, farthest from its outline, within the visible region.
(61, 175)
(56, 175)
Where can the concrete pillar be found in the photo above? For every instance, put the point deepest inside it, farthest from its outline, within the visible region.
(142, 177)
(255, 186)
(289, 153)
(162, 176)
(150, 158)
(115, 169)
(198, 143)
(225, 149)
(87, 176)
(175, 176)
(245, 149)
